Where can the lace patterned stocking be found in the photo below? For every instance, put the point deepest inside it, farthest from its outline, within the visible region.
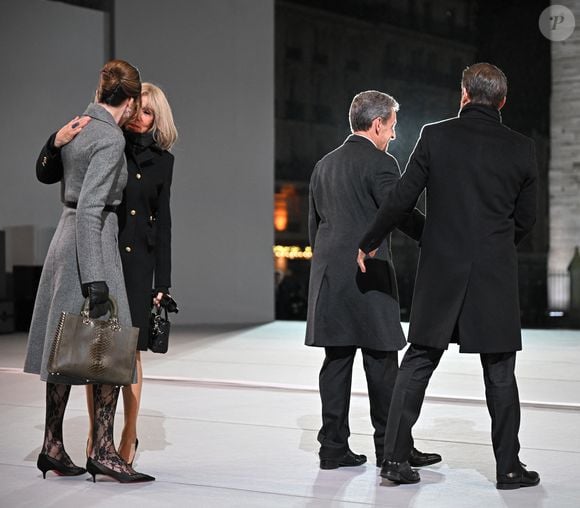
(56, 399)
(103, 451)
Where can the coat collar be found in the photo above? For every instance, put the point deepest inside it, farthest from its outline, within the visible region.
(481, 112)
(141, 148)
(139, 141)
(98, 112)
(360, 139)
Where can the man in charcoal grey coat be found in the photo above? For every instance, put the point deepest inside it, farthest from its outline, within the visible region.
(349, 310)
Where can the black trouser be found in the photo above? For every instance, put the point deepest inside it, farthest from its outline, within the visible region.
(501, 394)
(335, 385)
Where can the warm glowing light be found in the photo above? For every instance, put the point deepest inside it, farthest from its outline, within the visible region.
(292, 252)
(280, 212)
(284, 201)
(281, 264)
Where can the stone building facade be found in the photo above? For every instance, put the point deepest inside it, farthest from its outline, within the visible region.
(564, 175)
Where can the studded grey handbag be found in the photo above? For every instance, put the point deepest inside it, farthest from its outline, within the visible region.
(94, 350)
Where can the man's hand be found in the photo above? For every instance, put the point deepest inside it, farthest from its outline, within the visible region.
(360, 259)
(67, 133)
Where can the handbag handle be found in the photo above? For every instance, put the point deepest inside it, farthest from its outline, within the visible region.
(159, 310)
(114, 310)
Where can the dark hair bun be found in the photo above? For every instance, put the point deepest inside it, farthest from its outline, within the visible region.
(118, 81)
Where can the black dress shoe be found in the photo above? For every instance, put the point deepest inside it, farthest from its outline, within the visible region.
(421, 459)
(399, 472)
(522, 478)
(417, 459)
(349, 459)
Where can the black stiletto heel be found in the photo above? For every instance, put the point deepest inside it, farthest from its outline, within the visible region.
(46, 463)
(134, 452)
(94, 468)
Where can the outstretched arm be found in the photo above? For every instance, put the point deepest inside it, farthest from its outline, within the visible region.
(384, 182)
(399, 203)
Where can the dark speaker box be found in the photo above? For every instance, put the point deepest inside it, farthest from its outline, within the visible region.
(6, 316)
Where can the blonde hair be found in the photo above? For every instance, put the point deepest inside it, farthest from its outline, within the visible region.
(164, 130)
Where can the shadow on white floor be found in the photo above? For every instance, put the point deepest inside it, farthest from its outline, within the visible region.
(230, 417)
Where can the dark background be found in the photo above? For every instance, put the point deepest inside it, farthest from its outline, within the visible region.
(415, 50)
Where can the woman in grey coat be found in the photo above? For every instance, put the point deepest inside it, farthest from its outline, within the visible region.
(83, 262)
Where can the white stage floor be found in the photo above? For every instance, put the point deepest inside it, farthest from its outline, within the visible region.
(230, 417)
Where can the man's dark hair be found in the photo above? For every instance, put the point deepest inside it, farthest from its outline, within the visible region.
(485, 84)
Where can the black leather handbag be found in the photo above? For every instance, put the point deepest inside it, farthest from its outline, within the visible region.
(159, 328)
(94, 350)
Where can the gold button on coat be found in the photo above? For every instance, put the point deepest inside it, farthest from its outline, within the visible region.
(133, 212)
(128, 249)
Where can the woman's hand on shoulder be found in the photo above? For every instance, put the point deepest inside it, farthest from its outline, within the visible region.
(69, 131)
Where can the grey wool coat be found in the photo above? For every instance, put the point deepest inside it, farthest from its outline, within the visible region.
(345, 306)
(84, 247)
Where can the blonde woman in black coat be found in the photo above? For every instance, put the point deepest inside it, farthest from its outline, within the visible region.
(144, 224)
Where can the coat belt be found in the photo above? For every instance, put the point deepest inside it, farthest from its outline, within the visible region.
(106, 208)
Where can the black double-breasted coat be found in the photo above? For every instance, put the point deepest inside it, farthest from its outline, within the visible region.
(346, 308)
(144, 220)
(481, 181)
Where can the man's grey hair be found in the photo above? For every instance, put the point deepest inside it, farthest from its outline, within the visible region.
(366, 106)
(485, 84)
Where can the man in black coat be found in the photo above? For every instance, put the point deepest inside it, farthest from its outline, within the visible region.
(481, 181)
(349, 310)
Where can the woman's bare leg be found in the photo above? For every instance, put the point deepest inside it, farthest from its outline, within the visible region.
(91, 410)
(131, 404)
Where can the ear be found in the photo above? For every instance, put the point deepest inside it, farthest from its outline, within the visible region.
(376, 125)
(502, 103)
(465, 99)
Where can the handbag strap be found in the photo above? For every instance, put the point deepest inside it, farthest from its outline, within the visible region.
(158, 311)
